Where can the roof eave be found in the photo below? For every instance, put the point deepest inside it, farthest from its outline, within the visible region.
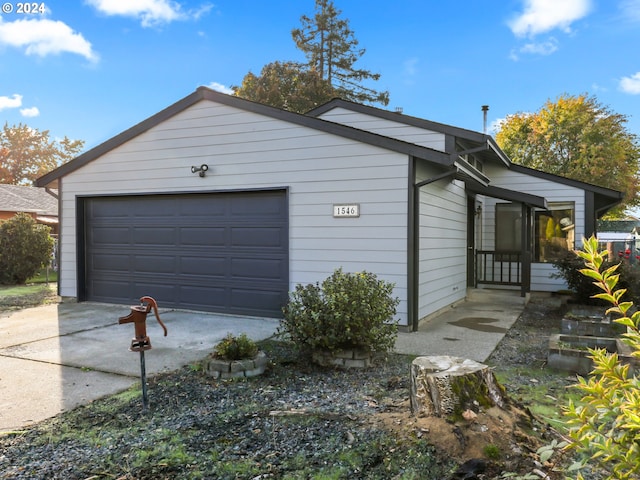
(204, 93)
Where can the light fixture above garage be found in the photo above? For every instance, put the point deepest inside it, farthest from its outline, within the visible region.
(200, 170)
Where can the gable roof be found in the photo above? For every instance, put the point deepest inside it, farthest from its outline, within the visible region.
(18, 198)
(604, 198)
(204, 93)
(488, 149)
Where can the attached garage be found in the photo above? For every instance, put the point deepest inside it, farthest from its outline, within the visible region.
(220, 252)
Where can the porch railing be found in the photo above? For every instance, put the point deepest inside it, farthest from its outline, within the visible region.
(498, 268)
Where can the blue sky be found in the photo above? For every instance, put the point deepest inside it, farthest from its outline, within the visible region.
(91, 69)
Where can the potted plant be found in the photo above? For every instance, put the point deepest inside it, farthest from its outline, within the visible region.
(236, 357)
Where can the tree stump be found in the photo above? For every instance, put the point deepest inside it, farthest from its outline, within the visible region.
(445, 386)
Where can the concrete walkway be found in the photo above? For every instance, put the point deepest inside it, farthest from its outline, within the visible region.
(57, 357)
(472, 329)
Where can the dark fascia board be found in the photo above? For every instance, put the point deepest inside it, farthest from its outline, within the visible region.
(399, 117)
(204, 93)
(461, 133)
(504, 193)
(606, 192)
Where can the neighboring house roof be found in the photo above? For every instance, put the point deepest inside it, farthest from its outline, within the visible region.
(18, 198)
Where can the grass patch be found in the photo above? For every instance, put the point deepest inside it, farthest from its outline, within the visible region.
(44, 276)
(15, 297)
(542, 390)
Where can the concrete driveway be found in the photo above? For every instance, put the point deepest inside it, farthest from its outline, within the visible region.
(56, 357)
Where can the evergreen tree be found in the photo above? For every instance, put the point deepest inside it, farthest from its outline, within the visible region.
(332, 51)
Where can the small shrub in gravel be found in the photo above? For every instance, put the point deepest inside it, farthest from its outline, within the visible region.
(236, 348)
(348, 310)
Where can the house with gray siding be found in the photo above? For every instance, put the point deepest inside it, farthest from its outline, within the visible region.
(220, 204)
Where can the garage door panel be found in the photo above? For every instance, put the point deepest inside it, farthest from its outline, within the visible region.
(253, 302)
(271, 269)
(203, 209)
(110, 262)
(152, 206)
(156, 264)
(207, 267)
(112, 290)
(200, 236)
(204, 298)
(166, 294)
(154, 235)
(109, 236)
(257, 236)
(216, 252)
(266, 205)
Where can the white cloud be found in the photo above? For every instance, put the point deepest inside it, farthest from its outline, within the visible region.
(30, 112)
(43, 37)
(14, 101)
(410, 66)
(631, 84)
(149, 12)
(535, 48)
(630, 10)
(541, 16)
(540, 48)
(218, 87)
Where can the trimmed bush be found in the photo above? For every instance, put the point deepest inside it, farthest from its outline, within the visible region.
(25, 248)
(236, 348)
(346, 311)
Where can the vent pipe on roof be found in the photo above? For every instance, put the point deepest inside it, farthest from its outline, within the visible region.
(485, 109)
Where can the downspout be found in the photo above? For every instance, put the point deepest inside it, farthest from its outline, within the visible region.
(414, 242)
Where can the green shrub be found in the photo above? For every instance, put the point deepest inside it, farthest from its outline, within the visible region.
(569, 268)
(25, 248)
(349, 310)
(236, 348)
(605, 424)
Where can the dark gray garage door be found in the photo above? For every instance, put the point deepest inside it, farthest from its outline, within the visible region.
(222, 252)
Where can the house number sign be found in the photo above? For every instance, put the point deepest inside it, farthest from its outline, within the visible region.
(351, 210)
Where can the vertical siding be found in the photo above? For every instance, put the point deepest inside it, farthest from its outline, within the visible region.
(245, 150)
(541, 279)
(443, 243)
(398, 130)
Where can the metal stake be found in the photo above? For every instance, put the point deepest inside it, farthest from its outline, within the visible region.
(143, 379)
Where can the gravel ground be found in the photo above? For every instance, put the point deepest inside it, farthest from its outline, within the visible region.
(295, 421)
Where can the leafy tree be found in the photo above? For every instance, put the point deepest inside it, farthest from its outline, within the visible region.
(578, 138)
(287, 85)
(25, 247)
(332, 51)
(27, 153)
